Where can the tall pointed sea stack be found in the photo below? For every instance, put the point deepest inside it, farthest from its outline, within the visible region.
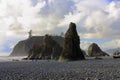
(71, 48)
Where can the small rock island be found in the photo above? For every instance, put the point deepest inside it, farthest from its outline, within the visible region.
(95, 51)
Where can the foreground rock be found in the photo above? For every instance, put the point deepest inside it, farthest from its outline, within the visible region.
(22, 48)
(49, 49)
(95, 51)
(71, 49)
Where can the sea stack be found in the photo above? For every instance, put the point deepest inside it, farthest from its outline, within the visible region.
(71, 48)
(95, 51)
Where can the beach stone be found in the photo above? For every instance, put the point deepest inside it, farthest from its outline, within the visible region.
(71, 47)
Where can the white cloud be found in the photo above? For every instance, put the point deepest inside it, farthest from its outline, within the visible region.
(17, 17)
(99, 18)
(105, 22)
(111, 44)
(85, 44)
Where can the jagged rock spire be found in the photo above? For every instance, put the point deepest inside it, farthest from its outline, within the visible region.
(71, 48)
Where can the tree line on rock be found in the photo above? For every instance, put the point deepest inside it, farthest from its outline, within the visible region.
(49, 49)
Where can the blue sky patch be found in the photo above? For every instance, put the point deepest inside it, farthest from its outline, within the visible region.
(98, 41)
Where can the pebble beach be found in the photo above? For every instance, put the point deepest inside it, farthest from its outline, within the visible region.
(89, 69)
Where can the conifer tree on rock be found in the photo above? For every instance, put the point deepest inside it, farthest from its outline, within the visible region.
(71, 48)
(49, 49)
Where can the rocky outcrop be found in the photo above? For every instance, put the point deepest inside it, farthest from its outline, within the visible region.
(22, 48)
(49, 49)
(71, 48)
(34, 52)
(95, 51)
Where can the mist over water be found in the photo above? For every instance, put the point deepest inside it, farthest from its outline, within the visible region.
(7, 58)
(4, 54)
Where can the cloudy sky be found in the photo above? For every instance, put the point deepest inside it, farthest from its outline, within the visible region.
(97, 21)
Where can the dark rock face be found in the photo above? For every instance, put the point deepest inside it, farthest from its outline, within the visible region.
(22, 48)
(34, 52)
(95, 51)
(49, 49)
(71, 49)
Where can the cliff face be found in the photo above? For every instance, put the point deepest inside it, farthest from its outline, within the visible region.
(94, 51)
(22, 48)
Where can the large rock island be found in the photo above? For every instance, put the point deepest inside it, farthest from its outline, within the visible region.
(22, 48)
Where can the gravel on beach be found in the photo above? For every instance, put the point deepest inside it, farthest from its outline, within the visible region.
(90, 69)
